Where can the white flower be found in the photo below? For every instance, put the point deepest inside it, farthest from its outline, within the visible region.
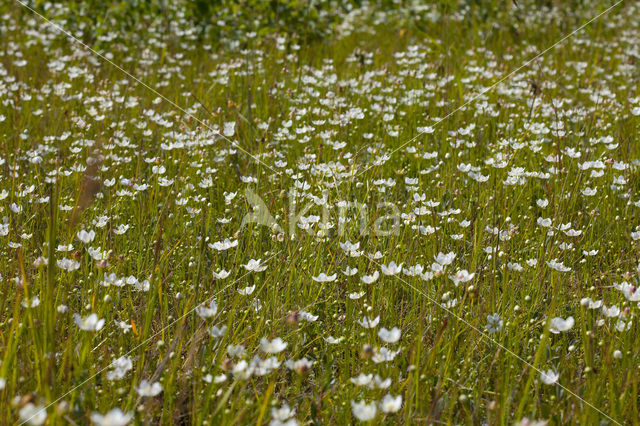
(348, 271)
(120, 367)
(247, 290)
(368, 322)
(149, 389)
(282, 413)
(229, 129)
(558, 324)
(462, 276)
(35, 301)
(86, 237)
(242, 370)
(254, 266)
(68, 264)
(98, 254)
(558, 266)
(121, 229)
(445, 259)
(302, 364)
(382, 383)
(362, 379)
(391, 269)
(389, 336)
(308, 316)
(544, 222)
(391, 404)
(33, 414)
(114, 417)
(324, 278)
(368, 279)
(348, 246)
(272, 347)
(412, 271)
(220, 275)
(290, 422)
(549, 377)
(236, 350)
(356, 296)
(332, 340)
(207, 312)
(383, 355)
(621, 325)
(611, 312)
(525, 421)
(90, 323)
(494, 323)
(363, 411)
(217, 332)
(515, 266)
(587, 302)
(224, 245)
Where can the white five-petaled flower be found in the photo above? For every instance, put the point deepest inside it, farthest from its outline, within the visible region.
(86, 237)
(247, 290)
(558, 266)
(391, 404)
(356, 295)
(324, 278)
(363, 411)
(68, 264)
(283, 413)
(89, 323)
(389, 336)
(391, 269)
(332, 340)
(34, 302)
(349, 271)
(558, 324)
(494, 323)
(115, 417)
(33, 414)
(255, 265)
(362, 379)
(220, 275)
(300, 365)
(445, 259)
(368, 322)
(149, 389)
(274, 346)
(229, 129)
(462, 276)
(224, 245)
(544, 222)
(368, 279)
(120, 368)
(205, 311)
(549, 377)
(217, 332)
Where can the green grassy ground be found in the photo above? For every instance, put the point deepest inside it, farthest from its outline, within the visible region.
(413, 133)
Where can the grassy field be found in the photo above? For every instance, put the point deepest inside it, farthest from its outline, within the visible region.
(430, 217)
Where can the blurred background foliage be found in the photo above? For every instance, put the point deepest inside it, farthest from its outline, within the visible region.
(216, 21)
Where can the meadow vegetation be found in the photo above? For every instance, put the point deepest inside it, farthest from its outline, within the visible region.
(294, 212)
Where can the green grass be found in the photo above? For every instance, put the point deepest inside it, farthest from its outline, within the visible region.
(74, 149)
